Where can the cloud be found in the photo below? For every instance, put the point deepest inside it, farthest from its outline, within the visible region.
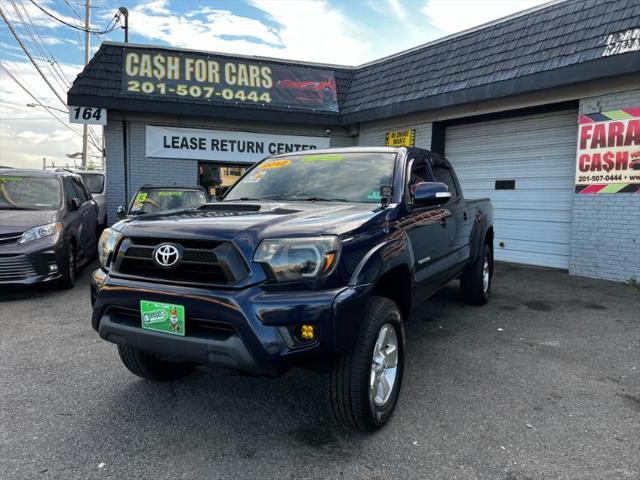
(28, 10)
(456, 15)
(28, 134)
(312, 30)
(397, 9)
(285, 32)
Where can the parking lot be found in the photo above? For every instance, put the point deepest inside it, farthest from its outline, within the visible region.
(543, 382)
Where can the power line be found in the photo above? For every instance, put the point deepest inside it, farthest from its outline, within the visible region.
(94, 139)
(39, 46)
(77, 14)
(113, 25)
(15, 35)
(58, 75)
(21, 85)
(51, 59)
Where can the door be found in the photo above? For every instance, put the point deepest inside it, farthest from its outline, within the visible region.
(88, 217)
(457, 225)
(426, 229)
(525, 165)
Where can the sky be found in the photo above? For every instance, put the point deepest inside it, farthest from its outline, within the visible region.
(346, 32)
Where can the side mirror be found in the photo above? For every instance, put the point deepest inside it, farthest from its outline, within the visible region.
(75, 204)
(427, 194)
(121, 211)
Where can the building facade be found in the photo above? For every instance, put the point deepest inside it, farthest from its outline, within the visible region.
(539, 112)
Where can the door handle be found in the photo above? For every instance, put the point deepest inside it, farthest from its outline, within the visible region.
(465, 216)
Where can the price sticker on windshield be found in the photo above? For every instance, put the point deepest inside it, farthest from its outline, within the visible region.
(275, 164)
(88, 115)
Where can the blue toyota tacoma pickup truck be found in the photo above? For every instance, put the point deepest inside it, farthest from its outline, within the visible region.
(312, 259)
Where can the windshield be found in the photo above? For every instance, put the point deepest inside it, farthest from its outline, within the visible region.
(160, 200)
(28, 193)
(352, 177)
(93, 181)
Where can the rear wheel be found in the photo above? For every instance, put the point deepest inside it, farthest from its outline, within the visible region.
(70, 267)
(475, 283)
(149, 366)
(363, 387)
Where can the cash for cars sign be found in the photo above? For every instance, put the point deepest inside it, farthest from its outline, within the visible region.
(223, 145)
(202, 78)
(608, 158)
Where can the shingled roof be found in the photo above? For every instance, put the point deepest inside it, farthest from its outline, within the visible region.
(563, 43)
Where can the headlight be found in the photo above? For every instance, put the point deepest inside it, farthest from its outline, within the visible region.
(106, 245)
(39, 232)
(295, 259)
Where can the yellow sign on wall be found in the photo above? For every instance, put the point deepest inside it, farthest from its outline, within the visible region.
(401, 138)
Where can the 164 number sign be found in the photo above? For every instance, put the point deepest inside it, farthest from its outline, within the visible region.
(88, 115)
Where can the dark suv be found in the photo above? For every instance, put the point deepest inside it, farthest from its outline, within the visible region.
(48, 226)
(313, 259)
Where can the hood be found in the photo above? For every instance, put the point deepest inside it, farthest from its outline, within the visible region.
(18, 221)
(251, 222)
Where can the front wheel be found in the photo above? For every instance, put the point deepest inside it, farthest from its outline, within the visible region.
(363, 387)
(70, 267)
(148, 366)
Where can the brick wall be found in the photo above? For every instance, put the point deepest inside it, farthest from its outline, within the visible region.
(605, 228)
(114, 168)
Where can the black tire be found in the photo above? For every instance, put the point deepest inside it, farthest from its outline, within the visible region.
(472, 285)
(347, 383)
(70, 268)
(150, 367)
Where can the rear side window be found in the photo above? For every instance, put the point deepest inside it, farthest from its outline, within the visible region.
(443, 174)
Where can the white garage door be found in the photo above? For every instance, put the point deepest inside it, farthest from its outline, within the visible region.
(532, 221)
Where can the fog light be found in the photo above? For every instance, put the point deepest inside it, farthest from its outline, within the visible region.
(53, 268)
(307, 332)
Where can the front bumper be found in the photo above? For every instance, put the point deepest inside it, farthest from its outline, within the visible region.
(249, 330)
(28, 263)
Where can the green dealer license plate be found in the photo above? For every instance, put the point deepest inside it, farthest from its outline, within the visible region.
(162, 317)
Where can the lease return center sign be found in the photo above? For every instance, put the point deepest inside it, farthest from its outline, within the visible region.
(608, 157)
(204, 78)
(222, 145)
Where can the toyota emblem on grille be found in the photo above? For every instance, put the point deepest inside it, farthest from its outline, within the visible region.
(166, 255)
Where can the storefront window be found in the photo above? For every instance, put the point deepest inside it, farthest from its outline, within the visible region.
(216, 178)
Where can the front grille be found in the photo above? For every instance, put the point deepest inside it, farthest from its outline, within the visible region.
(6, 238)
(194, 327)
(202, 261)
(15, 267)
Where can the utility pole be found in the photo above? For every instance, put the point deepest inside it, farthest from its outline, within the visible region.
(125, 13)
(87, 51)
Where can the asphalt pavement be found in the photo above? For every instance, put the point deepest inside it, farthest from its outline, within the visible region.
(541, 383)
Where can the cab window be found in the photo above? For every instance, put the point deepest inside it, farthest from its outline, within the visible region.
(417, 173)
(443, 174)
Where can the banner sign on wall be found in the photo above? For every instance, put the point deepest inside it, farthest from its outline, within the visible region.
(400, 138)
(205, 78)
(608, 158)
(223, 145)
